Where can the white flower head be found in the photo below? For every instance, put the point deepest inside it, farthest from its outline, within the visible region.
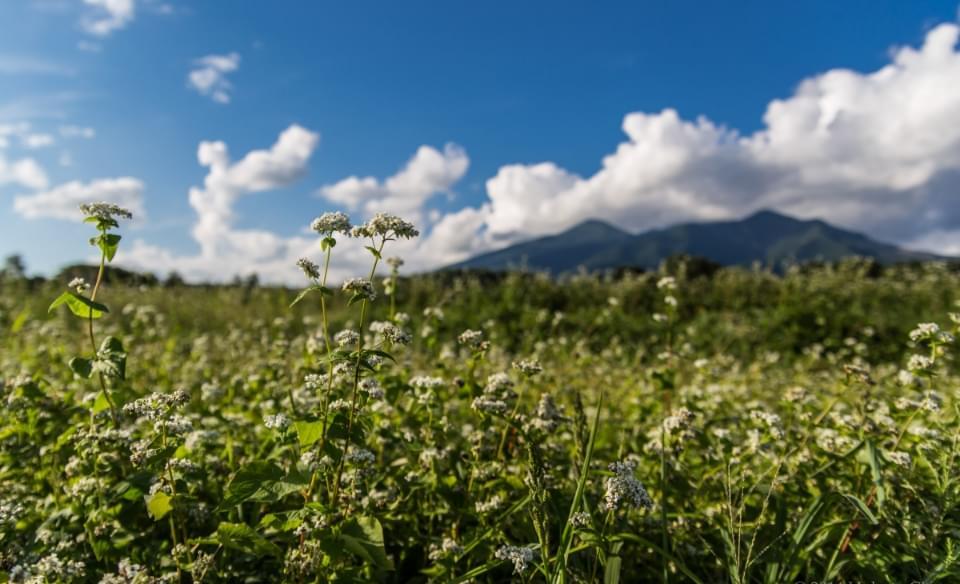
(330, 223)
(310, 269)
(360, 287)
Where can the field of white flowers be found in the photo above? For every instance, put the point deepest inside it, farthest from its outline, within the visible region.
(734, 427)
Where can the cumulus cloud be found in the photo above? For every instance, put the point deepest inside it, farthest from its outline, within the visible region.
(875, 151)
(209, 76)
(107, 16)
(62, 202)
(428, 173)
(226, 250)
(25, 172)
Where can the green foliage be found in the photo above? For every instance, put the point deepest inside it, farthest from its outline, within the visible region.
(776, 424)
(79, 305)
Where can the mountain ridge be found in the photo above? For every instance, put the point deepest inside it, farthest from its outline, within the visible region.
(764, 236)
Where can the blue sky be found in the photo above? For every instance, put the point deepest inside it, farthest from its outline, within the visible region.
(531, 95)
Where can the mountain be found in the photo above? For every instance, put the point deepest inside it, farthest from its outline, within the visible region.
(766, 237)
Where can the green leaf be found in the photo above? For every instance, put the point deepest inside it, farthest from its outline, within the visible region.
(240, 536)
(379, 353)
(108, 243)
(862, 507)
(308, 432)
(80, 366)
(323, 290)
(611, 574)
(249, 481)
(112, 350)
(101, 403)
(262, 481)
(158, 505)
(363, 536)
(20, 321)
(327, 243)
(876, 472)
(374, 251)
(79, 305)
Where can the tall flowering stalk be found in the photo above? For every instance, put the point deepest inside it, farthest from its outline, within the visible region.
(379, 230)
(109, 360)
(326, 225)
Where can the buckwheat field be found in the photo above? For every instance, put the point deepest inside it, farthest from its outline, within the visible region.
(689, 425)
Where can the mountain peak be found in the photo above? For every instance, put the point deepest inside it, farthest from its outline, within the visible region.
(594, 227)
(766, 236)
(769, 216)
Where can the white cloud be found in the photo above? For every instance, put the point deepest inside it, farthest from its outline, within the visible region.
(25, 172)
(209, 77)
(879, 152)
(107, 16)
(62, 202)
(428, 173)
(226, 250)
(36, 141)
(77, 132)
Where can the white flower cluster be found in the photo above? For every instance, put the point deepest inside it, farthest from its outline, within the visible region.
(391, 332)
(471, 338)
(667, 283)
(372, 388)
(276, 422)
(425, 386)
(330, 223)
(521, 557)
(105, 211)
(547, 416)
(386, 225)
(79, 284)
(127, 573)
(10, 511)
(489, 405)
(449, 547)
(919, 363)
(310, 269)
(930, 331)
(433, 312)
(156, 404)
(361, 457)
(899, 458)
(678, 422)
(360, 287)
(346, 338)
(175, 425)
(427, 382)
(492, 504)
(313, 381)
(581, 519)
(624, 488)
(528, 367)
(771, 420)
(182, 465)
(498, 382)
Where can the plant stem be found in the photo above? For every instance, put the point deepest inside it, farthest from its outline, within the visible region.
(93, 340)
(329, 388)
(356, 376)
